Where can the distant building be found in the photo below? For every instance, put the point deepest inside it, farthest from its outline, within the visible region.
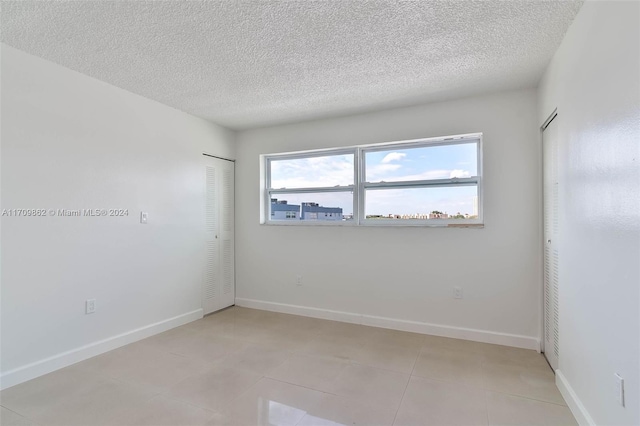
(410, 216)
(438, 215)
(314, 211)
(281, 210)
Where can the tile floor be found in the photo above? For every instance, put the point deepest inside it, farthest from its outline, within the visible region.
(247, 367)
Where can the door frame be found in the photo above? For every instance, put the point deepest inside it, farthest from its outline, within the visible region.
(202, 283)
(541, 240)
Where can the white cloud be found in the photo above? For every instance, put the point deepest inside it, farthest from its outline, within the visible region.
(429, 174)
(381, 170)
(457, 173)
(393, 156)
(312, 172)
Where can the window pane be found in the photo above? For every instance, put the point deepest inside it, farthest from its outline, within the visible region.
(317, 206)
(312, 172)
(451, 202)
(432, 162)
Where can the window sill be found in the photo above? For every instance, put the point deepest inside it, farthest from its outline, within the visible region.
(378, 224)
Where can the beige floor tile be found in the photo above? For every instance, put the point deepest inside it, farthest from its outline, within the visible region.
(299, 333)
(211, 324)
(281, 332)
(339, 347)
(207, 348)
(102, 364)
(306, 324)
(529, 382)
(270, 402)
(457, 344)
(240, 329)
(144, 365)
(162, 411)
(337, 410)
(450, 365)
(273, 320)
(430, 402)
(239, 313)
(255, 314)
(354, 332)
(172, 341)
(214, 389)
(279, 339)
(489, 352)
(371, 386)
(98, 405)
(35, 397)
(233, 312)
(398, 358)
(244, 330)
(174, 333)
(386, 336)
(220, 419)
(509, 410)
(514, 356)
(255, 358)
(9, 418)
(313, 372)
(318, 373)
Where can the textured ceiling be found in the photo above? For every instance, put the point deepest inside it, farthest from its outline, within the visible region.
(245, 64)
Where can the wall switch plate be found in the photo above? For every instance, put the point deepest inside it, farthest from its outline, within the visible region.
(457, 293)
(619, 389)
(144, 217)
(90, 306)
(299, 280)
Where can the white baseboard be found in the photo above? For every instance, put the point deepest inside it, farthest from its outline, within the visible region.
(484, 336)
(56, 362)
(575, 405)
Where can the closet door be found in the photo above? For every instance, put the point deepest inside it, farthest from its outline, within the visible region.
(551, 230)
(219, 275)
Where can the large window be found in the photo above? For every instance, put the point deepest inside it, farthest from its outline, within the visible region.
(427, 182)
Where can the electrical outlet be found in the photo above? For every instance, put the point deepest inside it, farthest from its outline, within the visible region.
(457, 292)
(90, 306)
(619, 389)
(299, 280)
(144, 217)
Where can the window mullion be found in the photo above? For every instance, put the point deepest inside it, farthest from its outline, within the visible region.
(348, 188)
(423, 183)
(357, 193)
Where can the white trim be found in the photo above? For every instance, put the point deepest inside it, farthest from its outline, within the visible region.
(64, 359)
(541, 221)
(475, 335)
(573, 402)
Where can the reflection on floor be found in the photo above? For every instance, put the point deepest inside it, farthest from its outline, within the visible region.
(246, 367)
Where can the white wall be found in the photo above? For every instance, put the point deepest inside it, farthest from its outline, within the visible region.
(593, 80)
(407, 273)
(72, 142)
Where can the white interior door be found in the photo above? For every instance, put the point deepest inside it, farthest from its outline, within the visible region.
(551, 255)
(219, 275)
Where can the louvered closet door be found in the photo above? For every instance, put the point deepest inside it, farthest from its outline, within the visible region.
(219, 282)
(227, 267)
(551, 230)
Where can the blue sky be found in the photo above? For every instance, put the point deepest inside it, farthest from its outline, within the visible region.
(434, 162)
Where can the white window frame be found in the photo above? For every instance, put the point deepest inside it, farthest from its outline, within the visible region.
(360, 185)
